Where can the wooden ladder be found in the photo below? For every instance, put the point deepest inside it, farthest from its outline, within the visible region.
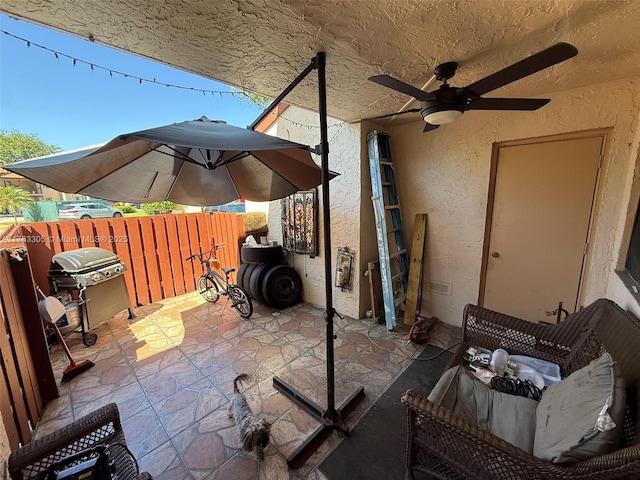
(392, 252)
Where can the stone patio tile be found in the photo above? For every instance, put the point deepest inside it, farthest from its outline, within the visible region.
(207, 445)
(130, 399)
(144, 432)
(163, 463)
(239, 467)
(170, 380)
(266, 402)
(149, 362)
(220, 353)
(188, 405)
(273, 466)
(291, 430)
(57, 414)
(276, 355)
(89, 386)
(223, 377)
(171, 371)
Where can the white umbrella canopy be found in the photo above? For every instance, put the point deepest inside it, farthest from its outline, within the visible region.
(199, 162)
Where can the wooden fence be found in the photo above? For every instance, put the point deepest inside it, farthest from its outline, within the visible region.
(153, 248)
(26, 377)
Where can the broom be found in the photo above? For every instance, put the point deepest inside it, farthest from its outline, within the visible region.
(51, 309)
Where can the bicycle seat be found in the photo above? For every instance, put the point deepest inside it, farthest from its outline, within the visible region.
(227, 271)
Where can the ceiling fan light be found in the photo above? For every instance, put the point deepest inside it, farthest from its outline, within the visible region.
(442, 117)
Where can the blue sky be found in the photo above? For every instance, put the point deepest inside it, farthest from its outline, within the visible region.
(74, 106)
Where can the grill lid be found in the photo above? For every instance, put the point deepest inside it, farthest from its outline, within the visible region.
(82, 259)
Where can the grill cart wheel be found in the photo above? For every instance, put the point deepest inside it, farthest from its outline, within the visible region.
(89, 338)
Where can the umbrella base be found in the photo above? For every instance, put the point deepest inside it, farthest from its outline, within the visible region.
(330, 420)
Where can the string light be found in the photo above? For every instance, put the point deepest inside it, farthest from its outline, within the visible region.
(339, 125)
(298, 124)
(111, 71)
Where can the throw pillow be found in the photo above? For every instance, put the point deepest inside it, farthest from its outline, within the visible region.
(566, 416)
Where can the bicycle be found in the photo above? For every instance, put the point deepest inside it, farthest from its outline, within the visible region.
(212, 284)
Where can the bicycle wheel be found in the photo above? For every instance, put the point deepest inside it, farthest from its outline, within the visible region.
(208, 289)
(241, 301)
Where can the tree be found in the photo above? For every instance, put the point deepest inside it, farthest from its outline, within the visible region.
(16, 146)
(15, 199)
(254, 98)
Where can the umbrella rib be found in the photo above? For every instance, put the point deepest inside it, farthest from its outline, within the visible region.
(177, 153)
(206, 161)
(231, 178)
(146, 195)
(114, 170)
(175, 179)
(238, 156)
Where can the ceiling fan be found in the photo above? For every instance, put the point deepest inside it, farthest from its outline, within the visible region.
(447, 103)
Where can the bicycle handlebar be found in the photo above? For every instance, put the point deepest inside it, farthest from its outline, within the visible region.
(200, 255)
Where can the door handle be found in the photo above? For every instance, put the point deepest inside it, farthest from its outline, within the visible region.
(495, 254)
(558, 313)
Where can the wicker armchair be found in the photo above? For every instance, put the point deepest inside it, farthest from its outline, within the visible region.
(102, 427)
(446, 446)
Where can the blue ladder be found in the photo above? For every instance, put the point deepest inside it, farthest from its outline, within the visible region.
(392, 252)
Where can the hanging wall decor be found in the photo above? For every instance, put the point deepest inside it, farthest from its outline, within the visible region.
(299, 222)
(344, 268)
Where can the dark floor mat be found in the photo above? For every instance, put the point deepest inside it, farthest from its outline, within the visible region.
(376, 448)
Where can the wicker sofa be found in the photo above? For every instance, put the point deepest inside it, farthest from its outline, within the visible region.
(101, 427)
(444, 445)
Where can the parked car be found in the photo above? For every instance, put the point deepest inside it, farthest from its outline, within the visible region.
(237, 206)
(77, 211)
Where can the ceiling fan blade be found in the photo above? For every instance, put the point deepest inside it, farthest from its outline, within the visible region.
(428, 127)
(411, 110)
(539, 61)
(399, 86)
(507, 103)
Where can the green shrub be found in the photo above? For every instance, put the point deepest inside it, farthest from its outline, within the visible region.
(128, 209)
(151, 208)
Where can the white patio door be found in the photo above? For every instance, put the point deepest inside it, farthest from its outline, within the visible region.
(541, 210)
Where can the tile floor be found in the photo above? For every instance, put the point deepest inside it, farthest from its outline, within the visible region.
(171, 369)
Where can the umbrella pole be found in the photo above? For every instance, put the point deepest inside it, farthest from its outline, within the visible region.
(330, 418)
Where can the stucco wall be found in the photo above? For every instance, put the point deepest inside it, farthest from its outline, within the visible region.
(5, 450)
(302, 126)
(445, 173)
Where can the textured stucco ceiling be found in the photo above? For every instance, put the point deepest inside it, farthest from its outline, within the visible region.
(262, 45)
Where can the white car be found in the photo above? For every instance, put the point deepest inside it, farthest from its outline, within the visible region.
(78, 211)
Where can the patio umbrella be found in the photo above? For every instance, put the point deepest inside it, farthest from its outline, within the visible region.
(198, 162)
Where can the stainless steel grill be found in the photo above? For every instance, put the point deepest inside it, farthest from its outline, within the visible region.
(97, 276)
(85, 267)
